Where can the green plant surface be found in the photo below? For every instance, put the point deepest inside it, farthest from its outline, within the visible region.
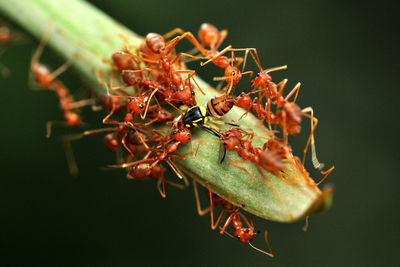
(78, 28)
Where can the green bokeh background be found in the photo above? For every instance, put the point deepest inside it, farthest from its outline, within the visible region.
(344, 53)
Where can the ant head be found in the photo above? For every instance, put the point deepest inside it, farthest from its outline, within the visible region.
(186, 95)
(232, 74)
(230, 140)
(155, 42)
(161, 114)
(244, 235)
(262, 79)
(137, 104)
(243, 100)
(208, 35)
(181, 134)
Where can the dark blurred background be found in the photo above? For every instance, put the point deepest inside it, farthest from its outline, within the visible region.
(345, 55)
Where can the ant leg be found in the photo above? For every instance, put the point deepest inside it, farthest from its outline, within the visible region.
(178, 57)
(176, 108)
(81, 103)
(194, 80)
(247, 50)
(295, 89)
(148, 103)
(85, 133)
(140, 70)
(69, 154)
(105, 120)
(281, 86)
(245, 220)
(189, 36)
(130, 164)
(126, 147)
(39, 50)
(112, 87)
(63, 67)
(326, 173)
(198, 142)
(248, 110)
(305, 227)
(179, 186)
(209, 209)
(269, 247)
(222, 36)
(177, 171)
(226, 49)
(256, 59)
(236, 162)
(196, 194)
(136, 57)
(162, 191)
(173, 32)
(313, 120)
(213, 225)
(228, 221)
(284, 126)
(140, 136)
(274, 192)
(49, 124)
(163, 185)
(125, 40)
(125, 94)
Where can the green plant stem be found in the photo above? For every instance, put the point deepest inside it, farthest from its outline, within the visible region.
(77, 28)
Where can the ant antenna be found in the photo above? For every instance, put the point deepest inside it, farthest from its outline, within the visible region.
(231, 236)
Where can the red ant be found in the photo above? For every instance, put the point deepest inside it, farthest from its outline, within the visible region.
(157, 52)
(145, 169)
(178, 136)
(289, 117)
(135, 104)
(181, 91)
(7, 37)
(234, 139)
(47, 80)
(243, 234)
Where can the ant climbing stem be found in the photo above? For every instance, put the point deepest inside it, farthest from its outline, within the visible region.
(48, 80)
